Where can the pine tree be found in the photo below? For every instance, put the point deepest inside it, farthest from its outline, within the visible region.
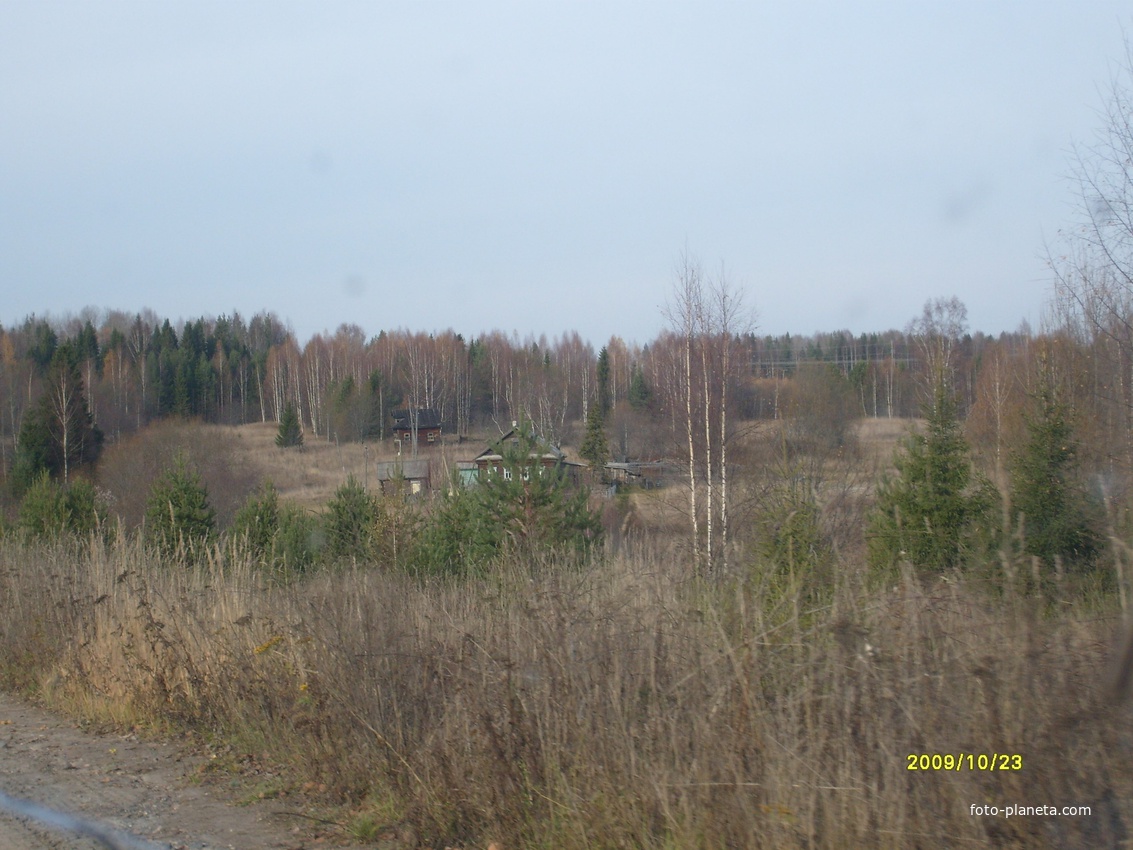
(290, 431)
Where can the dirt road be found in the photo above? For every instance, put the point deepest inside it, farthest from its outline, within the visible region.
(138, 786)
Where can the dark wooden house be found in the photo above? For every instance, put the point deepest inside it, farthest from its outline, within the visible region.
(421, 423)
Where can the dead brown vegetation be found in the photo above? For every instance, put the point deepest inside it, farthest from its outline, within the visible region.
(619, 706)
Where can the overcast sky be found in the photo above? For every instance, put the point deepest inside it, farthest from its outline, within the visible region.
(540, 167)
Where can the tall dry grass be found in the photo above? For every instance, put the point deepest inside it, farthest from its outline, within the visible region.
(618, 705)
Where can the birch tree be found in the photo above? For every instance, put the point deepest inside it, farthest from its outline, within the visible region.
(684, 313)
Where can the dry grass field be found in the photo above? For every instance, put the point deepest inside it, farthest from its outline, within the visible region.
(618, 705)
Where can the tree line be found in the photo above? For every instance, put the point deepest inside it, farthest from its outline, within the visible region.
(137, 369)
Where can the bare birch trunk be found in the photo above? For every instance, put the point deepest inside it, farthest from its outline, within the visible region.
(691, 453)
(725, 366)
(705, 343)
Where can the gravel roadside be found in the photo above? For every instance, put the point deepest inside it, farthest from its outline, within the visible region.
(138, 786)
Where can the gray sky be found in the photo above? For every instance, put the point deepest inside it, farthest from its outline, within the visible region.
(540, 167)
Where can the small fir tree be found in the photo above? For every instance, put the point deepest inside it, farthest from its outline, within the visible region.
(522, 508)
(277, 536)
(351, 522)
(256, 523)
(49, 509)
(936, 511)
(290, 431)
(1058, 514)
(179, 518)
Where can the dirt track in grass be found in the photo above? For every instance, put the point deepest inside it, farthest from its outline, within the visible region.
(143, 787)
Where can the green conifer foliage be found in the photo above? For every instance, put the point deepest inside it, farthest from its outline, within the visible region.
(936, 511)
(290, 431)
(1058, 514)
(604, 380)
(179, 519)
(640, 395)
(49, 509)
(351, 522)
(277, 536)
(595, 448)
(58, 435)
(521, 509)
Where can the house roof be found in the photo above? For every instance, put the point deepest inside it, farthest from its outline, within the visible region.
(426, 417)
(411, 470)
(542, 448)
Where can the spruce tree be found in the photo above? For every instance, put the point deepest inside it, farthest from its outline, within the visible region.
(595, 448)
(604, 380)
(276, 535)
(351, 522)
(640, 395)
(58, 434)
(936, 511)
(179, 518)
(525, 508)
(1058, 514)
(290, 431)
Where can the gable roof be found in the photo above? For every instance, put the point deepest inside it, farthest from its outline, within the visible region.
(426, 417)
(542, 449)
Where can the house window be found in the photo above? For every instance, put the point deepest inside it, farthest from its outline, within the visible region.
(527, 473)
(507, 473)
(432, 436)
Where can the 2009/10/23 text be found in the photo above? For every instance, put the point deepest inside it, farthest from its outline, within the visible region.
(964, 761)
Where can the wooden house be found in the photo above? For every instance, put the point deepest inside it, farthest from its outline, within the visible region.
(410, 476)
(542, 456)
(422, 423)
